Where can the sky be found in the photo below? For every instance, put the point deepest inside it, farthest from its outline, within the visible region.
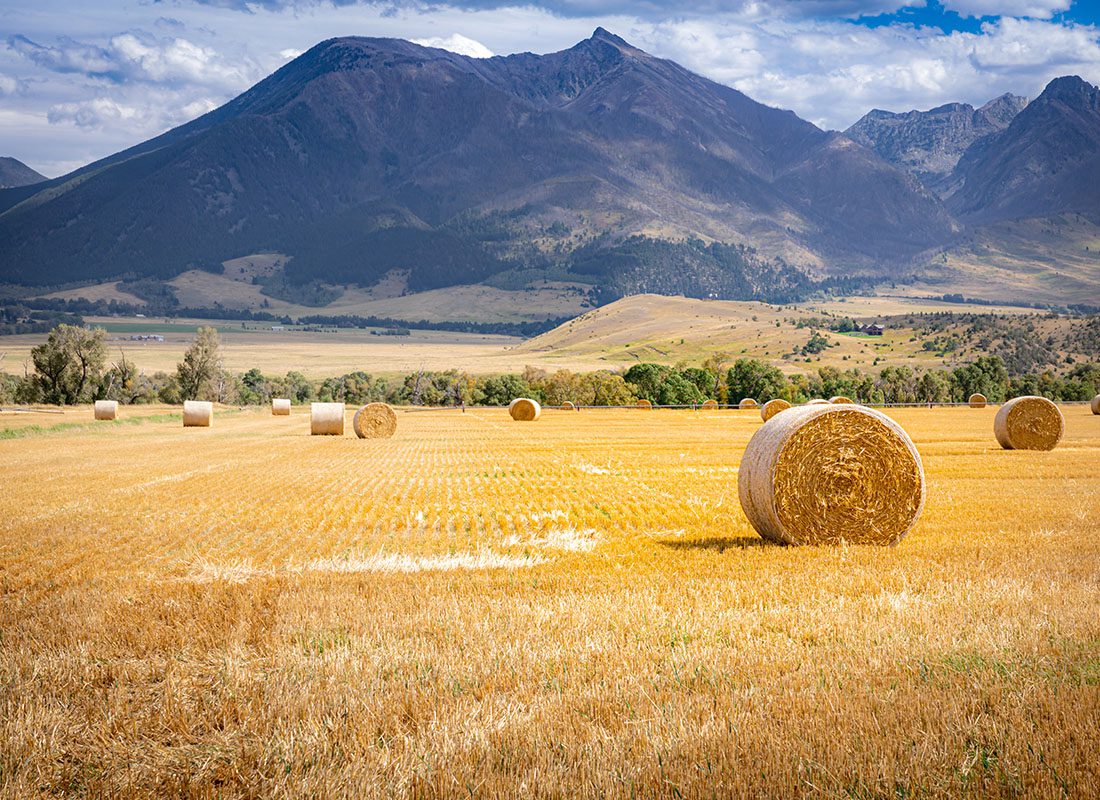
(81, 79)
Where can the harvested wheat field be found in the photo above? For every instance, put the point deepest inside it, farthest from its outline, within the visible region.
(575, 608)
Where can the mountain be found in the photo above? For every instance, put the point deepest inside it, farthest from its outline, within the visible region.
(930, 143)
(1047, 161)
(14, 173)
(368, 158)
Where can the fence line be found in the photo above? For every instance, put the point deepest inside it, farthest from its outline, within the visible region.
(721, 406)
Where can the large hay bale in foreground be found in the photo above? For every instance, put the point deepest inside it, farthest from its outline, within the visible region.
(827, 474)
(748, 402)
(1096, 405)
(524, 409)
(374, 421)
(709, 405)
(280, 407)
(643, 403)
(773, 407)
(326, 419)
(841, 400)
(1029, 423)
(106, 409)
(978, 400)
(198, 414)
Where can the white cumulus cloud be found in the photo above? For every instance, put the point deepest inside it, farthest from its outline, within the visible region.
(457, 43)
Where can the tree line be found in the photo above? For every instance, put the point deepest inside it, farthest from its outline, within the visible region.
(72, 367)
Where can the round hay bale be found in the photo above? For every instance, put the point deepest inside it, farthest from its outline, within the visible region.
(106, 409)
(568, 406)
(978, 401)
(524, 409)
(748, 402)
(280, 407)
(709, 405)
(1029, 423)
(643, 403)
(198, 414)
(374, 421)
(773, 407)
(817, 401)
(1096, 405)
(827, 474)
(841, 400)
(326, 419)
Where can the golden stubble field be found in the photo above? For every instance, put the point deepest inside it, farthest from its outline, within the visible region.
(572, 607)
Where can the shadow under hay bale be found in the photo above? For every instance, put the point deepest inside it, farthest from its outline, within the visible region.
(830, 474)
(198, 414)
(106, 409)
(1029, 423)
(374, 421)
(326, 419)
(524, 409)
(773, 407)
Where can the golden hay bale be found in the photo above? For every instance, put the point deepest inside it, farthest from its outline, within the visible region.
(374, 421)
(748, 402)
(817, 401)
(709, 405)
(524, 409)
(643, 403)
(1029, 423)
(106, 409)
(827, 474)
(978, 401)
(568, 406)
(1096, 405)
(773, 407)
(841, 400)
(326, 419)
(280, 407)
(198, 414)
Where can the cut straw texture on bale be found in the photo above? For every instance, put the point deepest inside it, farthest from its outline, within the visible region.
(978, 401)
(773, 407)
(1029, 423)
(280, 407)
(748, 402)
(830, 474)
(374, 421)
(1096, 405)
(643, 403)
(106, 409)
(198, 414)
(841, 400)
(524, 409)
(326, 419)
(710, 405)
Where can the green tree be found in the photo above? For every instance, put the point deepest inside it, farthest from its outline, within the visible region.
(69, 364)
(750, 377)
(987, 375)
(200, 366)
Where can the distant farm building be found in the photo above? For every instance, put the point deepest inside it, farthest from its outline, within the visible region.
(147, 337)
(874, 329)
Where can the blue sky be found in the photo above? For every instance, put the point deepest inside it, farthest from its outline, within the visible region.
(80, 80)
